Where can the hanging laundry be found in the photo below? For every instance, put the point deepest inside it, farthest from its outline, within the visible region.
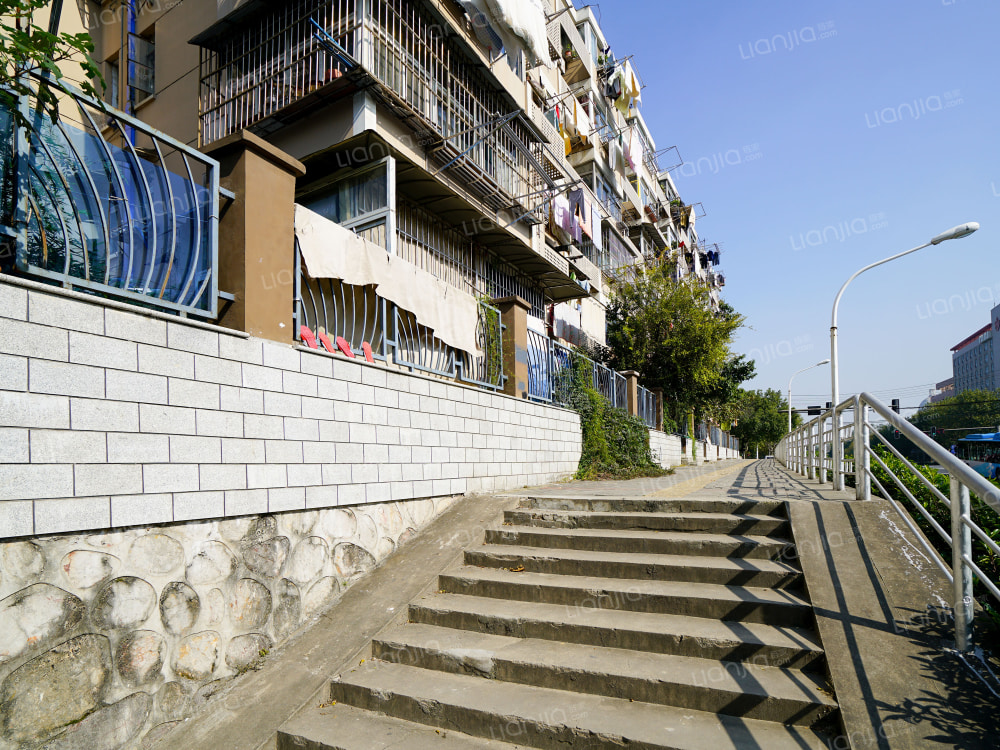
(583, 125)
(613, 88)
(575, 199)
(598, 235)
(632, 85)
(632, 155)
(623, 102)
(560, 219)
(585, 216)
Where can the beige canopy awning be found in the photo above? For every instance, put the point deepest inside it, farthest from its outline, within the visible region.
(331, 251)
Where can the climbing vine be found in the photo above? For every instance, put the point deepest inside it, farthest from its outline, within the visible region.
(615, 443)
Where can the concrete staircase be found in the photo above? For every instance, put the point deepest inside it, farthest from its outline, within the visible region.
(598, 623)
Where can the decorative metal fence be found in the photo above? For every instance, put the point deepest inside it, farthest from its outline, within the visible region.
(359, 317)
(550, 378)
(99, 201)
(647, 406)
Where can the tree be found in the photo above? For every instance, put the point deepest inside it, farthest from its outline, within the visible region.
(955, 417)
(762, 420)
(668, 331)
(30, 48)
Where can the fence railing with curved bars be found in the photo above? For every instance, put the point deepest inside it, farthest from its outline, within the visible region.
(101, 202)
(358, 316)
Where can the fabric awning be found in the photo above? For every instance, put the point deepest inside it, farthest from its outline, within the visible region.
(331, 251)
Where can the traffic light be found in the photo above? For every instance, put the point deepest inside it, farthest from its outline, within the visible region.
(814, 411)
(896, 434)
(895, 405)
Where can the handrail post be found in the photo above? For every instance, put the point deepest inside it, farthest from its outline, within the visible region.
(802, 451)
(837, 451)
(860, 449)
(866, 459)
(821, 455)
(810, 455)
(961, 541)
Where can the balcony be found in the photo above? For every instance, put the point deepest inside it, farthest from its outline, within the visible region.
(104, 204)
(283, 64)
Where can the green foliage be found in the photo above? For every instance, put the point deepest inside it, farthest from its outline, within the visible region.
(615, 444)
(668, 331)
(490, 332)
(28, 47)
(761, 420)
(968, 412)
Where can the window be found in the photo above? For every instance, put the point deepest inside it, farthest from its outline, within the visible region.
(111, 77)
(362, 201)
(141, 65)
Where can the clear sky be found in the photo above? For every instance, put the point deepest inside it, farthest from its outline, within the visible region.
(822, 137)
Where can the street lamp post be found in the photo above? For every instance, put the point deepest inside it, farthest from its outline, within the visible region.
(818, 364)
(962, 230)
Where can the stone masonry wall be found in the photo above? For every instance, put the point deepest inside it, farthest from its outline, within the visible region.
(111, 417)
(111, 638)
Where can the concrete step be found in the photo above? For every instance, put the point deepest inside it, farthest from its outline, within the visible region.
(729, 571)
(750, 691)
(706, 522)
(736, 603)
(794, 648)
(344, 727)
(546, 718)
(658, 505)
(655, 542)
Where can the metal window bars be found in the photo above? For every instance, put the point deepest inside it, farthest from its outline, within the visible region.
(100, 202)
(399, 51)
(359, 316)
(809, 450)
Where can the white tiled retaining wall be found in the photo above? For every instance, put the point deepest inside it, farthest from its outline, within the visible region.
(114, 418)
(666, 448)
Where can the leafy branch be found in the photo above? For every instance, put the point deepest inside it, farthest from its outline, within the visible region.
(31, 56)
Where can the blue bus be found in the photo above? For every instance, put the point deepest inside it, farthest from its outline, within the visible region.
(981, 452)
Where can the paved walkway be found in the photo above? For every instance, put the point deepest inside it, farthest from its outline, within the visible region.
(877, 597)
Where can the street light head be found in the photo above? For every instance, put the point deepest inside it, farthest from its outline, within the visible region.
(962, 230)
(824, 362)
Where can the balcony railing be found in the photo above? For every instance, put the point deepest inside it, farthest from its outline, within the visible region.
(101, 202)
(310, 49)
(359, 323)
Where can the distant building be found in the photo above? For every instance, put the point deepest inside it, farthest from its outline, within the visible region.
(973, 361)
(944, 389)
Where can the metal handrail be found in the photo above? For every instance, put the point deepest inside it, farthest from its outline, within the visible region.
(804, 450)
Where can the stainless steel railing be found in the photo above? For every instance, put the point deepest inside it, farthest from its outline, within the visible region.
(808, 450)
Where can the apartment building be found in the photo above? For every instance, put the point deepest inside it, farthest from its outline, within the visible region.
(502, 161)
(973, 361)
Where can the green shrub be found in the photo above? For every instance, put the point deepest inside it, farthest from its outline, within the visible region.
(615, 443)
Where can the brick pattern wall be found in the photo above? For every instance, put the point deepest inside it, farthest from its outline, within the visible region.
(111, 417)
(666, 448)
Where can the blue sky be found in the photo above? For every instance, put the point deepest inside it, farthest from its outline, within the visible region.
(822, 137)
